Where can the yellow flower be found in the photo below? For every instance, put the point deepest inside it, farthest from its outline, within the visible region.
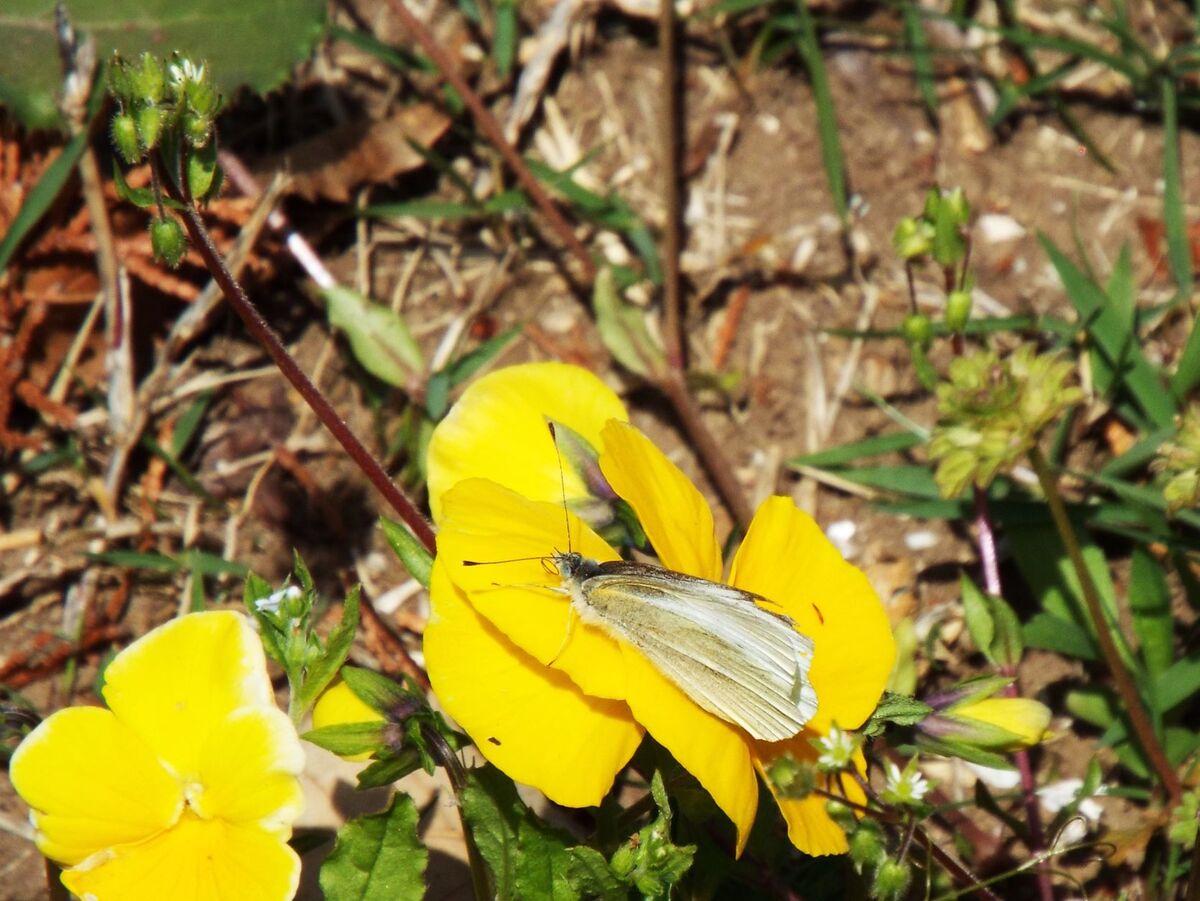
(566, 719)
(184, 787)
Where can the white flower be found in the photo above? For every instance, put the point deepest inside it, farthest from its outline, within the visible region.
(905, 786)
(272, 602)
(836, 750)
(185, 70)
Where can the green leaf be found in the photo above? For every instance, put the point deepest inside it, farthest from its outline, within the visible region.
(378, 692)
(416, 559)
(993, 625)
(622, 328)
(1094, 705)
(437, 392)
(827, 125)
(898, 709)
(379, 338)
(1150, 605)
(44, 193)
(1178, 683)
(1114, 337)
(348, 738)
(910, 481)
(857, 450)
(320, 672)
(377, 857)
(203, 172)
(231, 37)
(504, 44)
(1061, 636)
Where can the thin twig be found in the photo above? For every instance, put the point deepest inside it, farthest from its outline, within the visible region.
(495, 134)
(1130, 698)
(672, 381)
(266, 337)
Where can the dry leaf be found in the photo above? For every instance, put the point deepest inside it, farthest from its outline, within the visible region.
(332, 163)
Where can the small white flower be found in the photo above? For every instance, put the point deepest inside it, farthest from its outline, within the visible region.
(185, 70)
(836, 750)
(905, 786)
(272, 602)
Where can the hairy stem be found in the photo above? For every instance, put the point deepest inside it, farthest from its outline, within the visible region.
(266, 337)
(1131, 700)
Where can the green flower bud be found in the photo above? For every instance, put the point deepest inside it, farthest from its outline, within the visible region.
(958, 310)
(148, 80)
(912, 238)
(955, 204)
(841, 814)
(125, 137)
(167, 240)
(918, 330)
(992, 412)
(867, 847)
(149, 126)
(891, 880)
(933, 200)
(202, 98)
(120, 84)
(1178, 463)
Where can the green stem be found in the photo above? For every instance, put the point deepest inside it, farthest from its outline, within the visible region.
(1139, 719)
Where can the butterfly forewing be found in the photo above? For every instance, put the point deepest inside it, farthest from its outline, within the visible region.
(735, 659)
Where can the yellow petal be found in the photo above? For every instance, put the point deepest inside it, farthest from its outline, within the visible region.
(810, 828)
(674, 514)
(497, 430)
(786, 558)
(196, 860)
(530, 721)
(526, 600)
(177, 683)
(246, 772)
(714, 751)
(92, 784)
(1026, 718)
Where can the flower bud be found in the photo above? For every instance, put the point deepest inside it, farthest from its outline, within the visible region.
(196, 129)
(841, 814)
(918, 330)
(125, 137)
(891, 880)
(148, 80)
(149, 126)
(958, 310)
(867, 848)
(167, 240)
(912, 238)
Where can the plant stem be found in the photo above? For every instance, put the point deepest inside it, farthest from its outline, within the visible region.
(1132, 701)
(673, 382)
(495, 134)
(262, 332)
(990, 562)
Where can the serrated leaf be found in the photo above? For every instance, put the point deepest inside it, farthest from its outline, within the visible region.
(377, 857)
(379, 338)
(230, 37)
(416, 559)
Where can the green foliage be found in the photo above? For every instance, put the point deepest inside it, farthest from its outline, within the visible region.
(411, 553)
(622, 328)
(287, 620)
(229, 36)
(1177, 463)
(377, 857)
(993, 625)
(651, 862)
(379, 337)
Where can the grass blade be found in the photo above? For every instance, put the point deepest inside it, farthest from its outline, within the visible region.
(827, 126)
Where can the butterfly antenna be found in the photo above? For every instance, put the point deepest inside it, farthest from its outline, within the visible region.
(562, 483)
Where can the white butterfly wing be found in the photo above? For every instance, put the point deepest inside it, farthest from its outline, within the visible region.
(733, 658)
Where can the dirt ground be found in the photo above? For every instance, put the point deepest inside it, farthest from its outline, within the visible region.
(759, 219)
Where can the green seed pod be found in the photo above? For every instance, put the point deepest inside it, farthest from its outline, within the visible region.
(167, 240)
(958, 310)
(867, 849)
(918, 330)
(197, 129)
(149, 126)
(125, 137)
(891, 880)
(148, 80)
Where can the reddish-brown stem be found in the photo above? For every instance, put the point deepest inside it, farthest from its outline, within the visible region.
(266, 337)
(1130, 699)
(495, 134)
